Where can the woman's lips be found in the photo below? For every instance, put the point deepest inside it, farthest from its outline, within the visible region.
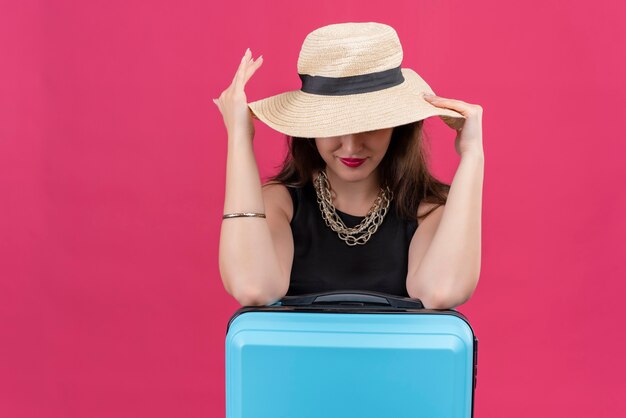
(353, 162)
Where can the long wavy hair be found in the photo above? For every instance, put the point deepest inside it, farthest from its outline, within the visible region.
(404, 168)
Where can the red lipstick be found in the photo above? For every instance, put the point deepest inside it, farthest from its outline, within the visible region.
(352, 162)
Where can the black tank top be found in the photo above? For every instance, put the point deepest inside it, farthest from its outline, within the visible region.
(324, 262)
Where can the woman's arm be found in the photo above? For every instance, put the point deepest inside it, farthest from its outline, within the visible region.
(448, 272)
(248, 262)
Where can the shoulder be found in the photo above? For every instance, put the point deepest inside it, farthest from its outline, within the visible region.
(432, 210)
(425, 207)
(277, 199)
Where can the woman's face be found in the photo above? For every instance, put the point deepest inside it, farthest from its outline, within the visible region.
(370, 146)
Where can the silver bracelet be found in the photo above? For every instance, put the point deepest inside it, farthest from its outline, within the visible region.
(243, 214)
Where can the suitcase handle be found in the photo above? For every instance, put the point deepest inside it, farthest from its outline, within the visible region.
(351, 297)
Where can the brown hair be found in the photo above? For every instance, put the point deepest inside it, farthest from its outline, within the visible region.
(404, 168)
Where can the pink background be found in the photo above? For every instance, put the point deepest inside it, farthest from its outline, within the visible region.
(112, 166)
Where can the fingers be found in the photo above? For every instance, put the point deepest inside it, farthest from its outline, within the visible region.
(247, 67)
(460, 106)
(442, 101)
(239, 75)
(253, 66)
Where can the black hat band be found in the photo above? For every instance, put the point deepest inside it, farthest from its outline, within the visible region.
(339, 86)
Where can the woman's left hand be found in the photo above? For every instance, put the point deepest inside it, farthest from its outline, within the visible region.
(469, 138)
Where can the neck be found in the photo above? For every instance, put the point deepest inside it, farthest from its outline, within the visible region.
(354, 195)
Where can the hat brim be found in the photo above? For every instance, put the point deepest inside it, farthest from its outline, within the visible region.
(306, 115)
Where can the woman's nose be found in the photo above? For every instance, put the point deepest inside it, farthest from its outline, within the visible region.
(352, 143)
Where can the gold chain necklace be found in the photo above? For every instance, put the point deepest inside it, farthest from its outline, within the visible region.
(370, 224)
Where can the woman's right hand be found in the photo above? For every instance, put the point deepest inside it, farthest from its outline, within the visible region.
(233, 104)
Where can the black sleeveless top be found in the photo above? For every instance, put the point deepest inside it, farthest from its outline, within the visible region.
(324, 262)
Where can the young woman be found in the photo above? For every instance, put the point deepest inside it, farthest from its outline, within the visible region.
(343, 213)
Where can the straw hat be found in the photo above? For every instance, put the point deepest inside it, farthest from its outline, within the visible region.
(351, 82)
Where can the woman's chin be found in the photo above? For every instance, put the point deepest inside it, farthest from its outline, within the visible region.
(352, 174)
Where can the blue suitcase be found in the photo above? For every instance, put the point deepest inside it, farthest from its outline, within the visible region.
(349, 354)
